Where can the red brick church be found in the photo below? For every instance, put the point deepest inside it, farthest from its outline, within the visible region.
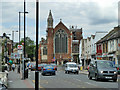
(61, 44)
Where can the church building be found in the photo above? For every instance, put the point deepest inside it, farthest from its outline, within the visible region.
(61, 44)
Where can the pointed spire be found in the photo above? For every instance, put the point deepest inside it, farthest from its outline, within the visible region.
(50, 15)
(50, 20)
(60, 20)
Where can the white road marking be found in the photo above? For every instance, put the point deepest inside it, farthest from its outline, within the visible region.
(10, 81)
(90, 83)
(78, 80)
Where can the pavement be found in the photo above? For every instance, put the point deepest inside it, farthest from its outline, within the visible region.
(15, 81)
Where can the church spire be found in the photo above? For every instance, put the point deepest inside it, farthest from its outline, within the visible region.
(50, 20)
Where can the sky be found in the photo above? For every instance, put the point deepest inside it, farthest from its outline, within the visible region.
(90, 15)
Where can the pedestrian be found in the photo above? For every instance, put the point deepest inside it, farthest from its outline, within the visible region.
(13, 66)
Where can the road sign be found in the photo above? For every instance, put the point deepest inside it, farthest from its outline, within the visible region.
(19, 47)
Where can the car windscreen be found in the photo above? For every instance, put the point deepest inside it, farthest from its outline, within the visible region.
(72, 65)
(105, 64)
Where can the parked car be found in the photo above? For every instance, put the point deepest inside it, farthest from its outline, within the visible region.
(118, 68)
(71, 67)
(102, 69)
(40, 66)
(30, 65)
(33, 68)
(3, 86)
(48, 69)
(54, 65)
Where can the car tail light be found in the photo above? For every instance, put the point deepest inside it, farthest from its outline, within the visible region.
(54, 68)
(118, 68)
(44, 69)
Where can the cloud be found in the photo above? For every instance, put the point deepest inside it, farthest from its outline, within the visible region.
(91, 15)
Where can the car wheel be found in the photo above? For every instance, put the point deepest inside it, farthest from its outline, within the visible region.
(96, 77)
(77, 72)
(54, 73)
(115, 80)
(68, 72)
(65, 72)
(43, 74)
(89, 76)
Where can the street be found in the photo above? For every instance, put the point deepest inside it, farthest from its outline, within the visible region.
(62, 80)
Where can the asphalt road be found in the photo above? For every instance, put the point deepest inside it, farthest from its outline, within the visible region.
(62, 80)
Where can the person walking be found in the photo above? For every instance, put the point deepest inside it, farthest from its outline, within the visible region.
(13, 66)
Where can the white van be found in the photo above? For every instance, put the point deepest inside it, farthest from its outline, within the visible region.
(71, 67)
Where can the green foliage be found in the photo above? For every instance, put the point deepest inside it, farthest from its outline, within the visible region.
(30, 47)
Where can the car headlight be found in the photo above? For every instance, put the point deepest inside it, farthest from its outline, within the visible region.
(101, 71)
(115, 72)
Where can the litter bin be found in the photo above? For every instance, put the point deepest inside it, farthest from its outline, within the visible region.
(26, 73)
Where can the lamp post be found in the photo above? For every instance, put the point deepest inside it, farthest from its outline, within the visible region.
(37, 27)
(19, 39)
(20, 25)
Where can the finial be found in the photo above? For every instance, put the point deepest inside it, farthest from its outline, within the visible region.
(60, 19)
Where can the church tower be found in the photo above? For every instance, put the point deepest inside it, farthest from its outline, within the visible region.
(50, 35)
(50, 20)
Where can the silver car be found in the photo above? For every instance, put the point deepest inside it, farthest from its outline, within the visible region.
(102, 69)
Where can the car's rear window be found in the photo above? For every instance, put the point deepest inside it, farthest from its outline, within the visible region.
(48, 66)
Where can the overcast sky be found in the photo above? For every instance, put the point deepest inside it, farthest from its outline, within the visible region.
(91, 15)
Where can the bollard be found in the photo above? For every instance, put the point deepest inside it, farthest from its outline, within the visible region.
(81, 68)
(19, 69)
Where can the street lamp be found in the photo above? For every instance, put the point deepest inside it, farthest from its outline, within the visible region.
(19, 39)
(19, 25)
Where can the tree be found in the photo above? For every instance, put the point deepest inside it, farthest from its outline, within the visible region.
(29, 47)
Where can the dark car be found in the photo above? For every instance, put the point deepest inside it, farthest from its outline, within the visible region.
(48, 69)
(102, 69)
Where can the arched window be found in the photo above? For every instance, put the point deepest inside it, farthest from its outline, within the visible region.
(61, 41)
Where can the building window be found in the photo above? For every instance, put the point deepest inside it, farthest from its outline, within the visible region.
(61, 41)
(75, 48)
(45, 51)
